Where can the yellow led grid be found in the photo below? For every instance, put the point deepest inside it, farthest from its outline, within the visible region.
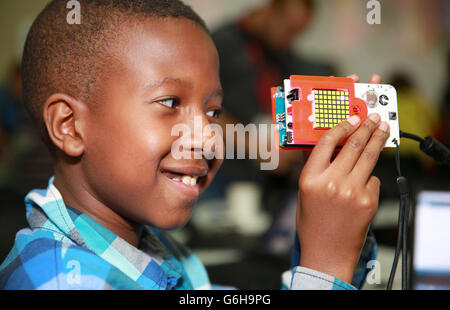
(330, 107)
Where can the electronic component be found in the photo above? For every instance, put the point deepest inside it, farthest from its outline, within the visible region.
(330, 108)
(306, 106)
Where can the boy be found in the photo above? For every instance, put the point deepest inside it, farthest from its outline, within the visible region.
(106, 94)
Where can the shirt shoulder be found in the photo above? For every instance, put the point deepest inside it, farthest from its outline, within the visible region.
(40, 260)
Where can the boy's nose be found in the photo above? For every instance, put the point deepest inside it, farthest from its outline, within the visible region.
(198, 138)
(205, 140)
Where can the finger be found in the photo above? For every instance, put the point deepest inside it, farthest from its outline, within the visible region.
(369, 157)
(276, 137)
(355, 145)
(320, 157)
(373, 185)
(354, 77)
(375, 79)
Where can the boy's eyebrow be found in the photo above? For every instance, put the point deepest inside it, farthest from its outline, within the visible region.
(217, 93)
(168, 80)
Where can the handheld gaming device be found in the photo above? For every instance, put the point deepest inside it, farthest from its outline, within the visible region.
(306, 106)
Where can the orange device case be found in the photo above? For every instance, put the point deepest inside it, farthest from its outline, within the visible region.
(300, 126)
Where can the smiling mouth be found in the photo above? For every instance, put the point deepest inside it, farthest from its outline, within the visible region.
(186, 185)
(188, 180)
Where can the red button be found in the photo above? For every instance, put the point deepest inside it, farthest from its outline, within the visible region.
(356, 109)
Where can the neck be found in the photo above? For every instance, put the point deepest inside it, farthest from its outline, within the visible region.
(77, 193)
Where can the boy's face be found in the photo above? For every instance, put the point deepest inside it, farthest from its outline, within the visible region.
(166, 72)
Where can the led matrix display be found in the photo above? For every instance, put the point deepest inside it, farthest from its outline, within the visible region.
(330, 107)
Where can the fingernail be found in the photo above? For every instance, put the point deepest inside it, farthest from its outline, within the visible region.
(354, 120)
(374, 117)
(377, 77)
(384, 126)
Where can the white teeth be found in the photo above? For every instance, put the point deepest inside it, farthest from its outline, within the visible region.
(188, 180)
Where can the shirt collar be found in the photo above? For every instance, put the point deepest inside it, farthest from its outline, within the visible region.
(151, 266)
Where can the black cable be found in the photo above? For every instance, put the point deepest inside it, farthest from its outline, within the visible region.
(402, 235)
(431, 147)
(397, 159)
(441, 154)
(398, 248)
(410, 136)
(405, 241)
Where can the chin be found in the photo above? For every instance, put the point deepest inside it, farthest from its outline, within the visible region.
(172, 221)
(173, 225)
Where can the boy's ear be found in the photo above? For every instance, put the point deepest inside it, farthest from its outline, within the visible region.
(64, 118)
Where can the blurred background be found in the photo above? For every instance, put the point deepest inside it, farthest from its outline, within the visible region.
(243, 227)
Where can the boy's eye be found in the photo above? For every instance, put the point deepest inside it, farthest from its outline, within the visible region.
(169, 102)
(214, 113)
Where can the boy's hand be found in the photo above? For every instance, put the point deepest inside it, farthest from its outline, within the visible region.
(338, 200)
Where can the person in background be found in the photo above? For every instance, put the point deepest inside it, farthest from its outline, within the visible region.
(256, 53)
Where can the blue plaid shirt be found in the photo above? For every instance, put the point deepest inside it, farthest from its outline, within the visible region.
(65, 249)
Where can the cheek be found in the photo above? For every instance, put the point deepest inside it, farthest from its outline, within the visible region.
(214, 166)
(123, 153)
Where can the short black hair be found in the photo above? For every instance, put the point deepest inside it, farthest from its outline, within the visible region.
(69, 58)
